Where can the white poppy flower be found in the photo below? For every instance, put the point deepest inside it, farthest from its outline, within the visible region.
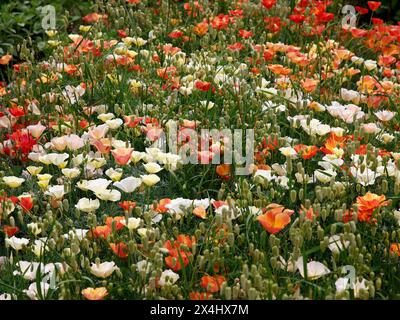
(103, 270)
(129, 184)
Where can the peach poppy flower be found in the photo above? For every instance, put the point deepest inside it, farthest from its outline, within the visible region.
(200, 212)
(5, 59)
(122, 155)
(275, 218)
(95, 293)
(309, 85)
(279, 69)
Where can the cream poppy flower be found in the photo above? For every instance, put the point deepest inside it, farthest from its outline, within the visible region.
(168, 277)
(71, 173)
(114, 174)
(87, 205)
(152, 167)
(13, 181)
(103, 270)
(132, 223)
(17, 243)
(34, 170)
(109, 195)
(150, 179)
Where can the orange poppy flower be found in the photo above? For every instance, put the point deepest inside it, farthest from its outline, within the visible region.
(223, 170)
(212, 283)
(95, 293)
(161, 206)
(333, 142)
(368, 203)
(101, 232)
(117, 220)
(120, 249)
(307, 152)
(275, 218)
(127, 205)
(395, 248)
(200, 295)
(309, 213)
(201, 28)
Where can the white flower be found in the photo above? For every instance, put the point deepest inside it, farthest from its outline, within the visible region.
(103, 270)
(71, 173)
(57, 192)
(78, 233)
(150, 179)
(365, 178)
(371, 128)
(17, 243)
(28, 270)
(108, 195)
(97, 185)
(5, 296)
(325, 176)
(36, 294)
(343, 284)
(266, 174)
(178, 205)
(114, 123)
(87, 205)
(336, 244)
(370, 65)
(39, 248)
(34, 228)
(132, 224)
(129, 184)
(152, 167)
(315, 269)
(144, 266)
(288, 152)
(168, 277)
(13, 182)
(385, 115)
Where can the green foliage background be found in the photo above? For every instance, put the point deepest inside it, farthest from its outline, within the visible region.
(22, 19)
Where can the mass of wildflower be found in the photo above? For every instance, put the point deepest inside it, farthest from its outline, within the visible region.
(106, 193)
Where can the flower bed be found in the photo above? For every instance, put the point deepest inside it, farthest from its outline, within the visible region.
(204, 150)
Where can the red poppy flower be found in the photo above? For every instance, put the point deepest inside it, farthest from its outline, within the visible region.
(10, 231)
(374, 5)
(26, 203)
(361, 10)
(203, 85)
(268, 4)
(297, 18)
